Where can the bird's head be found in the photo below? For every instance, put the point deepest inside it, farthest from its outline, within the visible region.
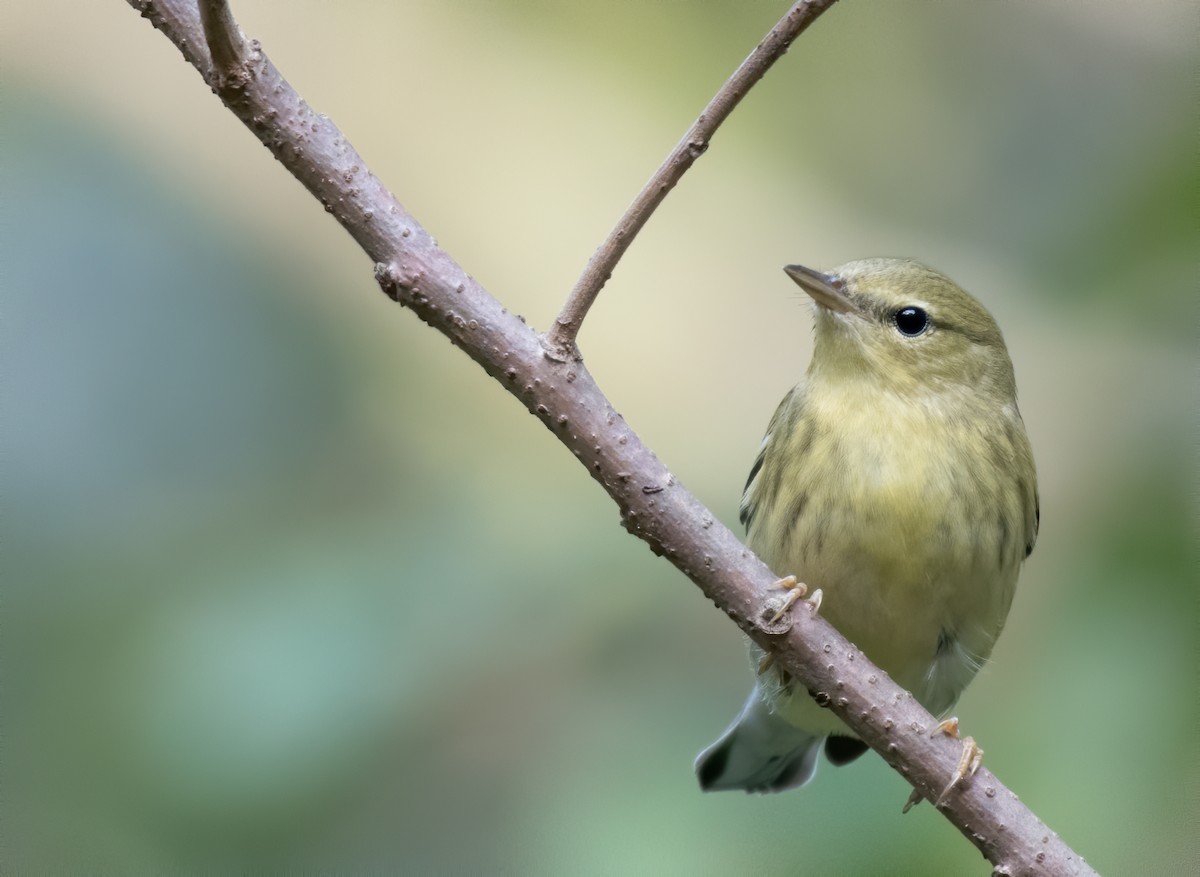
(905, 327)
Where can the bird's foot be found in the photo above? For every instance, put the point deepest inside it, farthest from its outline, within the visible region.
(968, 760)
(968, 763)
(797, 591)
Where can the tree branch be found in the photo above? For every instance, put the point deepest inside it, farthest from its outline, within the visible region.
(223, 38)
(560, 340)
(415, 272)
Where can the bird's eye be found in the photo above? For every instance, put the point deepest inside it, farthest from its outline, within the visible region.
(911, 321)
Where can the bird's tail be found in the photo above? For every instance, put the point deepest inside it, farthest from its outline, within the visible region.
(759, 753)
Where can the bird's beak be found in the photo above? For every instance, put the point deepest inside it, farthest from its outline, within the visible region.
(827, 290)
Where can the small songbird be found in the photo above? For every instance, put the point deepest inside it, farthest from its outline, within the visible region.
(898, 479)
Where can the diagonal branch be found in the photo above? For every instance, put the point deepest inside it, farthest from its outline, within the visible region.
(654, 506)
(560, 340)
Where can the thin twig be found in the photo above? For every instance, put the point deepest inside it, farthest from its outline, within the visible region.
(413, 270)
(560, 340)
(223, 37)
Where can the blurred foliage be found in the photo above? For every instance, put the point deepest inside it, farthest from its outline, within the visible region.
(290, 586)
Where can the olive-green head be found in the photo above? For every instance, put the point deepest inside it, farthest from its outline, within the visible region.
(904, 327)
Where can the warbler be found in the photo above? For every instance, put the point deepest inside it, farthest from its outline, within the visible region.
(896, 477)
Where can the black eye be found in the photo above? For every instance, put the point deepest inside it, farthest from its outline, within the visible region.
(911, 321)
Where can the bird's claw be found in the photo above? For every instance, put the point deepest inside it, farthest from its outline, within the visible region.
(797, 591)
(969, 761)
(814, 601)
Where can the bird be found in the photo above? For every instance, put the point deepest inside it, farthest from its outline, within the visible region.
(898, 479)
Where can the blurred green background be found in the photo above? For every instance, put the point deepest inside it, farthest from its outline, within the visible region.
(291, 587)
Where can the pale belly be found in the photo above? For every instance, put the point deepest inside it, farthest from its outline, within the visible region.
(911, 574)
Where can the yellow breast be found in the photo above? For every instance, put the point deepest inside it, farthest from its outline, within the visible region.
(879, 502)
